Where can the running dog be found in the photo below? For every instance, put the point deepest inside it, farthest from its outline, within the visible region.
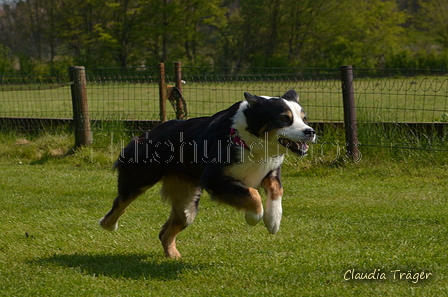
(230, 155)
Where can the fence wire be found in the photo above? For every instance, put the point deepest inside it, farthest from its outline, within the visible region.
(38, 95)
(407, 105)
(123, 93)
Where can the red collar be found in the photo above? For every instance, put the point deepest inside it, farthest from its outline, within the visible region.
(237, 139)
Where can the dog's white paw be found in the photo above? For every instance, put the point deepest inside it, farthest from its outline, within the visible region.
(104, 225)
(253, 218)
(273, 215)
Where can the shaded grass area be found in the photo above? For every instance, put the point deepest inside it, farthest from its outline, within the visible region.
(385, 215)
(378, 145)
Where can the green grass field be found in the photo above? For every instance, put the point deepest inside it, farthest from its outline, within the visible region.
(379, 215)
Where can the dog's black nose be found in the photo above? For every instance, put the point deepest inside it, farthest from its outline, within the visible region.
(309, 132)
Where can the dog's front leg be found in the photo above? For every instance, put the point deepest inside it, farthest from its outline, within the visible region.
(254, 213)
(273, 214)
(237, 194)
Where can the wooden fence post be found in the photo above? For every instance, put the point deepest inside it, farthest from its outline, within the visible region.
(350, 122)
(178, 80)
(81, 120)
(162, 92)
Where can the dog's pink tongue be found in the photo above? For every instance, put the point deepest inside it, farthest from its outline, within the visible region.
(304, 146)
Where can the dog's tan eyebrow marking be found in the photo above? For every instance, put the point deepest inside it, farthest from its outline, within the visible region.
(304, 118)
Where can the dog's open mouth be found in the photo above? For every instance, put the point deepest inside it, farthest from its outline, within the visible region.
(300, 148)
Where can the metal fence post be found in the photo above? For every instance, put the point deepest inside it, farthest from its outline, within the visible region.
(162, 92)
(350, 122)
(81, 119)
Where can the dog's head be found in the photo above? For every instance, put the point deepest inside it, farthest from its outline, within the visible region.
(276, 124)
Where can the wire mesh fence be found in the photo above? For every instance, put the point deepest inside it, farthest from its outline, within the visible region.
(319, 90)
(407, 99)
(28, 96)
(123, 93)
(403, 108)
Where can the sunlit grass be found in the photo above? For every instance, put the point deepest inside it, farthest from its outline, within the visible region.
(374, 214)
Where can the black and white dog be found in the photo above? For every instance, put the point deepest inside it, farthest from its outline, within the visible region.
(230, 155)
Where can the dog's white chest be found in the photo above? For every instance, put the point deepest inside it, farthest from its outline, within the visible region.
(251, 173)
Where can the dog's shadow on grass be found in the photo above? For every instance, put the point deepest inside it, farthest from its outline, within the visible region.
(133, 266)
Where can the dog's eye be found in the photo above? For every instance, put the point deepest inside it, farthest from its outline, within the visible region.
(305, 120)
(285, 119)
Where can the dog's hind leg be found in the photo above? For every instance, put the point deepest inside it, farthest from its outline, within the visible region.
(273, 213)
(132, 182)
(110, 220)
(183, 195)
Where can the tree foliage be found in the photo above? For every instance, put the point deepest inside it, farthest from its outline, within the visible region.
(51, 34)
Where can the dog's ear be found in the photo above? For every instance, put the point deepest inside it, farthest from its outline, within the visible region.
(291, 95)
(251, 99)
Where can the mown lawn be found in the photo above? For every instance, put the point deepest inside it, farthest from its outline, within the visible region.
(357, 217)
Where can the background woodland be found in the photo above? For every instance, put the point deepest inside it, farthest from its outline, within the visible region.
(50, 35)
